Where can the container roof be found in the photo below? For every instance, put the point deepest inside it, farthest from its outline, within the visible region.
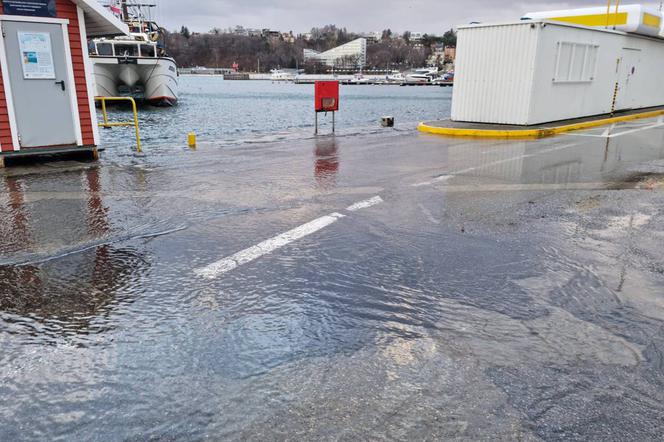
(99, 22)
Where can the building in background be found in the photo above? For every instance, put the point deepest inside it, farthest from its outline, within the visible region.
(349, 55)
(372, 37)
(442, 56)
(416, 37)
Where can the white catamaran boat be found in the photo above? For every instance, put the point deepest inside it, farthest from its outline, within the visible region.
(135, 66)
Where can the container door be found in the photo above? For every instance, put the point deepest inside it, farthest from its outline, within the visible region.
(628, 73)
(38, 72)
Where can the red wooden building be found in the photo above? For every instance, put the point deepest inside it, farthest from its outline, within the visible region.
(46, 82)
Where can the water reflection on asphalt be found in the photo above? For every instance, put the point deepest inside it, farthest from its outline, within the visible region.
(519, 299)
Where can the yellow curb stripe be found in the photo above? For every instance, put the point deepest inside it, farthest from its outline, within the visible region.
(533, 133)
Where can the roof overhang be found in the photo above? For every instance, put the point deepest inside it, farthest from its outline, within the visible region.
(99, 22)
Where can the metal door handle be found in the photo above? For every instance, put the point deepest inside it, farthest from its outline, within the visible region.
(62, 84)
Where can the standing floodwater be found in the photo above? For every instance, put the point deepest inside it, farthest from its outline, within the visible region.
(449, 289)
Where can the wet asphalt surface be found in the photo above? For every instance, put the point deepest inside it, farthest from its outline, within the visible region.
(503, 290)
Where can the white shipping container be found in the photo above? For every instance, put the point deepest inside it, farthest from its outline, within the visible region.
(534, 72)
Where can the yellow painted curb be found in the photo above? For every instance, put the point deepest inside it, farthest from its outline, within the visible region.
(533, 133)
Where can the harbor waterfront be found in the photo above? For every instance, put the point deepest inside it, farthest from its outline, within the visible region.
(382, 286)
(241, 112)
(320, 255)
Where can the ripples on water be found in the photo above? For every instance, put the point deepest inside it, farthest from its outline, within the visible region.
(437, 315)
(240, 112)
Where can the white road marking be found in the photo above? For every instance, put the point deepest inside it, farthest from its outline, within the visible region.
(608, 130)
(439, 179)
(620, 134)
(450, 175)
(607, 133)
(230, 263)
(365, 204)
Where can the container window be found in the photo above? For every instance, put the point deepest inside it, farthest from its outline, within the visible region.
(576, 63)
(123, 50)
(105, 49)
(148, 51)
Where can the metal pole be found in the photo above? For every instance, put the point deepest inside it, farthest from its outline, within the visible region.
(615, 19)
(103, 110)
(138, 134)
(316, 130)
(333, 114)
(608, 13)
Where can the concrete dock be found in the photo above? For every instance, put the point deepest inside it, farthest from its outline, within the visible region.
(400, 286)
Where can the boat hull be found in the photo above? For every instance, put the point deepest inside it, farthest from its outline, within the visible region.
(150, 80)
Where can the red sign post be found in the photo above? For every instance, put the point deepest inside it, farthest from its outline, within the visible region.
(326, 99)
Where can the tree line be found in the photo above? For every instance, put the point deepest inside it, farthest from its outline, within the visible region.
(222, 49)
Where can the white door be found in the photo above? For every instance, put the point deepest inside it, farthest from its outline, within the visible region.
(628, 75)
(40, 83)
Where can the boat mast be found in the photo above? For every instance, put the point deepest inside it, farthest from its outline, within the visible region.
(125, 10)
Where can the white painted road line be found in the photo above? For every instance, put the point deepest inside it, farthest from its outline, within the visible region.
(226, 265)
(607, 133)
(365, 204)
(450, 175)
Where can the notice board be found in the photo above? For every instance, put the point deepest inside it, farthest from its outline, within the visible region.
(36, 55)
(33, 8)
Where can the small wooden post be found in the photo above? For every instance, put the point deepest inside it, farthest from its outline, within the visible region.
(2, 162)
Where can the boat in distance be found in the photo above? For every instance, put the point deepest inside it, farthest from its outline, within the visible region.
(135, 66)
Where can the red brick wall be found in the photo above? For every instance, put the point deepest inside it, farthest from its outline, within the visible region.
(66, 9)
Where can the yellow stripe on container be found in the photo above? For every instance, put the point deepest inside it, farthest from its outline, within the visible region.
(595, 19)
(652, 20)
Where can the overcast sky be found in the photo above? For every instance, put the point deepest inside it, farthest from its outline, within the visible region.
(432, 16)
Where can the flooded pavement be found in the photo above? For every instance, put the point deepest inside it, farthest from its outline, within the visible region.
(380, 287)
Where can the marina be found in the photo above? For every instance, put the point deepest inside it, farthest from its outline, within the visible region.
(224, 113)
(265, 251)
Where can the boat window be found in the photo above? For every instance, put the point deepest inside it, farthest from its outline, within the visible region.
(125, 50)
(147, 51)
(104, 49)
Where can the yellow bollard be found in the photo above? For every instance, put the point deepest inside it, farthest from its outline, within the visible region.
(191, 140)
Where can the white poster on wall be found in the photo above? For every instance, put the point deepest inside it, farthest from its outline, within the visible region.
(36, 55)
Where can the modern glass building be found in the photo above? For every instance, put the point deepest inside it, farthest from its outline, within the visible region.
(350, 55)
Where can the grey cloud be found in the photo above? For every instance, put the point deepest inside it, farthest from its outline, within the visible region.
(432, 16)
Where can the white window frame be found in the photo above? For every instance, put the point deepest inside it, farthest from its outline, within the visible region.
(586, 77)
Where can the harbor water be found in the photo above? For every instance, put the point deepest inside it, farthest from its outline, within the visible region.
(226, 113)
